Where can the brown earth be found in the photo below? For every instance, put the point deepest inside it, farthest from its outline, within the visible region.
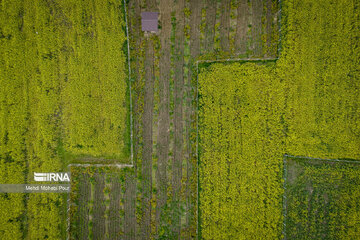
(85, 194)
(242, 26)
(164, 147)
(256, 28)
(225, 25)
(210, 25)
(178, 115)
(164, 115)
(98, 228)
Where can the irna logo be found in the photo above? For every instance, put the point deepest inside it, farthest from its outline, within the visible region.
(51, 177)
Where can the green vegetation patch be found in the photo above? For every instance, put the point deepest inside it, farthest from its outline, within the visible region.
(63, 93)
(321, 199)
(250, 115)
(320, 69)
(240, 150)
(94, 92)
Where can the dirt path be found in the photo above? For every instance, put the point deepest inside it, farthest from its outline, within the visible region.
(130, 206)
(134, 25)
(99, 207)
(257, 11)
(242, 26)
(85, 193)
(225, 25)
(178, 115)
(210, 25)
(147, 139)
(115, 196)
(195, 19)
(164, 115)
(135, 40)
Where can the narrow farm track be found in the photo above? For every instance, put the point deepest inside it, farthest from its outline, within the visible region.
(147, 163)
(211, 6)
(85, 193)
(129, 206)
(190, 194)
(99, 207)
(164, 115)
(268, 24)
(148, 139)
(256, 27)
(178, 116)
(242, 26)
(115, 223)
(131, 225)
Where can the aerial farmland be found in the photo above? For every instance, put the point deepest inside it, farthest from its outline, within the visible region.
(180, 119)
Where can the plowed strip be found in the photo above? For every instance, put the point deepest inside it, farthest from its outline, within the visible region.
(242, 26)
(225, 24)
(99, 207)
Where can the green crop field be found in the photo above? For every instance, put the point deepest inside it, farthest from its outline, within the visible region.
(205, 109)
(251, 114)
(63, 79)
(322, 199)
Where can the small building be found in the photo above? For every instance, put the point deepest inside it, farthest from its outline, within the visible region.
(149, 21)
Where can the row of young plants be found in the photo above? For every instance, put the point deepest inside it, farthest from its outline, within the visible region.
(262, 43)
(250, 115)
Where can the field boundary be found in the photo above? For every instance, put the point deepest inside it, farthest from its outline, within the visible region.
(285, 157)
(130, 96)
